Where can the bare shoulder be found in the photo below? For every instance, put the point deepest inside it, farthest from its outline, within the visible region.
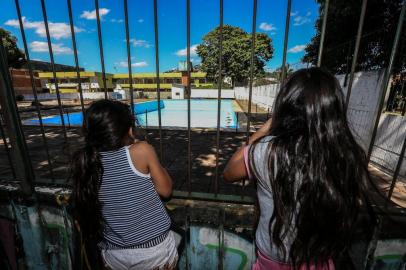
(141, 147)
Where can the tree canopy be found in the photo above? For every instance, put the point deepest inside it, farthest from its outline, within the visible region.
(379, 29)
(236, 54)
(15, 57)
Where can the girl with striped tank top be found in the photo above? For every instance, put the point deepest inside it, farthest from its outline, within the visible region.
(311, 177)
(118, 182)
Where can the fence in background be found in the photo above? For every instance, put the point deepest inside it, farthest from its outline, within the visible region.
(252, 94)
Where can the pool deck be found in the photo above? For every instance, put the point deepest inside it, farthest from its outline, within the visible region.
(203, 142)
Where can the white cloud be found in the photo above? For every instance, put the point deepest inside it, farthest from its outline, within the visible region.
(136, 64)
(267, 26)
(57, 48)
(183, 52)
(91, 15)
(140, 64)
(299, 20)
(116, 20)
(140, 43)
(297, 49)
(293, 14)
(56, 30)
(140, 20)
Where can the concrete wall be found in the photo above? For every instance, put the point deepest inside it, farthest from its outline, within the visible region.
(212, 93)
(47, 236)
(362, 112)
(178, 93)
(264, 96)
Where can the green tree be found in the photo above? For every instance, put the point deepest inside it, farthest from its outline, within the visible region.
(379, 29)
(236, 53)
(15, 57)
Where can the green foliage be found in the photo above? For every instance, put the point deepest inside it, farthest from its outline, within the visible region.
(378, 34)
(15, 56)
(236, 55)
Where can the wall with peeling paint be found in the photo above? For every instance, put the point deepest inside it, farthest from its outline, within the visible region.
(209, 235)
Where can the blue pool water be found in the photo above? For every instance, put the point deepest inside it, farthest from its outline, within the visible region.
(173, 114)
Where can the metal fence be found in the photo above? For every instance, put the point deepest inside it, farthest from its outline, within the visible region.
(11, 127)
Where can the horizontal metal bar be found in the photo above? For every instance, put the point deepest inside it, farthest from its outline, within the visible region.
(178, 194)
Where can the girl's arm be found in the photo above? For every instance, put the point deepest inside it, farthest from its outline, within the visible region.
(236, 169)
(147, 161)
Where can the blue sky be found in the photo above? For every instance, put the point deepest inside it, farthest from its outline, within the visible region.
(172, 29)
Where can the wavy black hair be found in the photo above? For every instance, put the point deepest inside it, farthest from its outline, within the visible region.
(106, 128)
(318, 172)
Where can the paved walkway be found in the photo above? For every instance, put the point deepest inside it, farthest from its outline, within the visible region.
(174, 156)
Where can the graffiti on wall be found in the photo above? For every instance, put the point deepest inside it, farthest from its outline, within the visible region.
(390, 254)
(204, 250)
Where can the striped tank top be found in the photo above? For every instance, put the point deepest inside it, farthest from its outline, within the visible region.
(134, 214)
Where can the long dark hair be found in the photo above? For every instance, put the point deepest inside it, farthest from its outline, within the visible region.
(318, 172)
(106, 126)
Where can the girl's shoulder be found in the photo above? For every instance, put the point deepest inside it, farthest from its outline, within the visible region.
(141, 147)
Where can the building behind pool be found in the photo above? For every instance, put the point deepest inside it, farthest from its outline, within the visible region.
(93, 81)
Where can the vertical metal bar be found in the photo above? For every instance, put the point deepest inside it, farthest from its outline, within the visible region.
(355, 56)
(286, 40)
(130, 75)
(236, 124)
(187, 237)
(146, 119)
(75, 53)
(7, 149)
(347, 64)
(158, 86)
(386, 79)
(12, 119)
(51, 56)
(221, 218)
(34, 90)
(189, 93)
(99, 36)
(220, 81)
(397, 169)
(254, 26)
(323, 32)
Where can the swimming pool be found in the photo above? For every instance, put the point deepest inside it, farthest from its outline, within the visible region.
(203, 114)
